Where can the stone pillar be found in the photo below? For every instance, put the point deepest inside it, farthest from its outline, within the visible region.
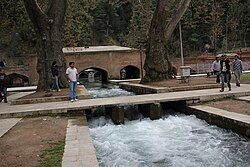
(153, 111)
(116, 114)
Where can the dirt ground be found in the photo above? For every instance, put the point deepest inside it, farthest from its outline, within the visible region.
(63, 92)
(193, 82)
(177, 83)
(241, 107)
(23, 144)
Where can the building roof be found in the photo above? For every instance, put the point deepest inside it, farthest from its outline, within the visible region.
(95, 49)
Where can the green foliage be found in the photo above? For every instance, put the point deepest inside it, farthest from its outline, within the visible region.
(220, 24)
(245, 77)
(52, 157)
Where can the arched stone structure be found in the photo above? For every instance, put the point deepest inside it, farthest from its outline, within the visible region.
(18, 80)
(130, 72)
(93, 74)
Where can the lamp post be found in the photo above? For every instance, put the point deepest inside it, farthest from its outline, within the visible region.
(182, 58)
(45, 68)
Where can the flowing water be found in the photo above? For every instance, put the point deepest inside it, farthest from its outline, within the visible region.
(108, 91)
(176, 140)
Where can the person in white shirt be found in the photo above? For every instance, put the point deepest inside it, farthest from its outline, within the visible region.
(216, 68)
(72, 76)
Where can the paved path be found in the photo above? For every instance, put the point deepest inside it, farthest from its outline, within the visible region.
(7, 124)
(79, 150)
(245, 98)
(62, 107)
(22, 89)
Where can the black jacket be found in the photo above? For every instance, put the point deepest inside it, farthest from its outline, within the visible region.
(227, 63)
(4, 80)
(54, 71)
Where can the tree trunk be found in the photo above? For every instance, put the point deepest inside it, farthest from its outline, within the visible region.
(157, 64)
(48, 27)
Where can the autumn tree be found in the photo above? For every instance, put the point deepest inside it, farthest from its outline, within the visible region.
(157, 64)
(48, 23)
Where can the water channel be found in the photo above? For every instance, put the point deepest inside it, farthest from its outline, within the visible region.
(176, 140)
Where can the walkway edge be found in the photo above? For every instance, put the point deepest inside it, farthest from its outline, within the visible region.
(238, 123)
(7, 124)
(79, 150)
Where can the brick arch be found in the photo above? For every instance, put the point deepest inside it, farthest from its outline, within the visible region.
(100, 73)
(130, 72)
(17, 79)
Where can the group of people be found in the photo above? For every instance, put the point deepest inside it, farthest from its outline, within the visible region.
(72, 76)
(222, 69)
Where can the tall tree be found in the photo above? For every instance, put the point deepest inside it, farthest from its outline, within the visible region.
(157, 64)
(48, 24)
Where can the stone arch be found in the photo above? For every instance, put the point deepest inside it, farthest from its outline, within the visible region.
(93, 74)
(130, 72)
(18, 80)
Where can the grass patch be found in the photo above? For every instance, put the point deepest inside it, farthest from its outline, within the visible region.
(52, 157)
(245, 76)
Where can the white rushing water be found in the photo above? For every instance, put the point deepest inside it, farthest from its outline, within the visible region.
(109, 91)
(177, 141)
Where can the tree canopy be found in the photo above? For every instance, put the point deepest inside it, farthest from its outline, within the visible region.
(207, 25)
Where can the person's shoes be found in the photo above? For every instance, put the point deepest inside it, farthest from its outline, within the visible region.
(229, 89)
(72, 100)
(59, 90)
(76, 99)
(238, 85)
(5, 101)
(53, 90)
(221, 90)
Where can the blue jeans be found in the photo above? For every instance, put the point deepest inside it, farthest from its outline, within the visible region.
(3, 90)
(72, 90)
(55, 85)
(225, 78)
(237, 76)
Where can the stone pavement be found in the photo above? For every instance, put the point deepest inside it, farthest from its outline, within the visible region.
(245, 98)
(63, 107)
(7, 124)
(79, 150)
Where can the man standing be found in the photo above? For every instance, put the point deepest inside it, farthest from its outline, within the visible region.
(72, 76)
(237, 69)
(4, 83)
(225, 72)
(216, 68)
(55, 74)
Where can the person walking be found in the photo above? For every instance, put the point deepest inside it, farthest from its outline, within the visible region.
(55, 74)
(216, 68)
(225, 75)
(237, 69)
(4, 83)
(72, 76)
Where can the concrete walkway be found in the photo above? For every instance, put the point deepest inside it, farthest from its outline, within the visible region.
(79, 150)
(62, 107)
(7, 124)
(245, 98)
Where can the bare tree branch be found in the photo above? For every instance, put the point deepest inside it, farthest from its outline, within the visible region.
(183, 5)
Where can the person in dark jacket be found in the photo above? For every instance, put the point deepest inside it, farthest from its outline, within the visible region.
(225, 72)
(55, 74)
(4, 83)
